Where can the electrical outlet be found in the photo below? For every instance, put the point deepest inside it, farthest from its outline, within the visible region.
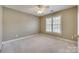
(17, 35)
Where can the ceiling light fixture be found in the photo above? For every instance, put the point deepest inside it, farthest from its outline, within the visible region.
(41, 8)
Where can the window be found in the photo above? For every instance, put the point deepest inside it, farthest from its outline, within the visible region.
(57, 24)
(48, 24)
(53, 24)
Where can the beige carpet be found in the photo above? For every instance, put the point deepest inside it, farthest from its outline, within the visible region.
(40, 43)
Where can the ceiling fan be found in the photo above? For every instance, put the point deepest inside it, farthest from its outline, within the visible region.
(41, 8)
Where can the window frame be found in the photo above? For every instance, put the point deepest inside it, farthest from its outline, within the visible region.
(52, 25)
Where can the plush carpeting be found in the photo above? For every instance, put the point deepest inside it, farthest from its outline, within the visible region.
(40, 43)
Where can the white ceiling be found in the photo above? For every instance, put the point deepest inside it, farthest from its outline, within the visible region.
(30, 9)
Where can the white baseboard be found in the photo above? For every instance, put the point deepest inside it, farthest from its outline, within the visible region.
(19, 38)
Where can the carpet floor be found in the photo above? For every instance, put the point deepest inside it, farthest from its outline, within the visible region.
(40, 43)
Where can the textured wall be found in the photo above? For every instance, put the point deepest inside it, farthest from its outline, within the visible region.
(69, 23)
(18, 24)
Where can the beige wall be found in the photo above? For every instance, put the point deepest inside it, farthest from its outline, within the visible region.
(18, 23)
(0, 26)
(69, 23)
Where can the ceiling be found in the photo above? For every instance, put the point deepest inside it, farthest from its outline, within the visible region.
(30, 9)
